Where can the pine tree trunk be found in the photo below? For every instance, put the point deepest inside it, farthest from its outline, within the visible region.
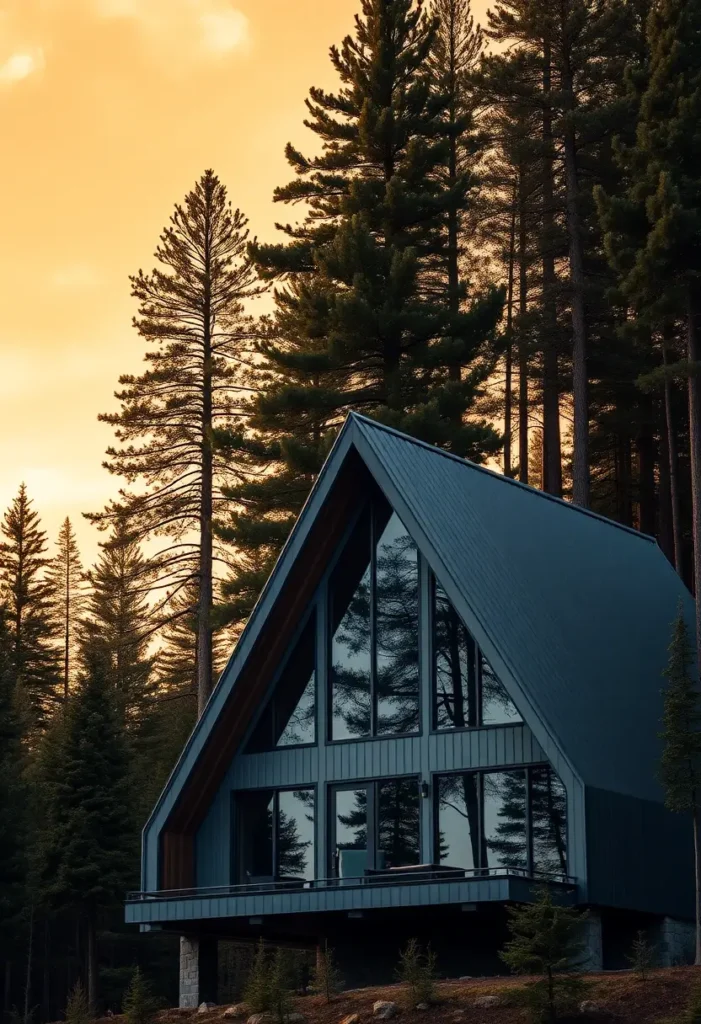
(697, 877)
(30, 967)
(66, 626)
(552, 454)
(624, 501)
(671, 436)
(509, 356)
(92, 959)
(453, 249)
(580, 382)
(694, 353)
(645, 446)
(204, 611)
(522, 342)
(7, 983)
(665, 532)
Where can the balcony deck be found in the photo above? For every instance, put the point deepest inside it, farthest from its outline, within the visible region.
(340, 895)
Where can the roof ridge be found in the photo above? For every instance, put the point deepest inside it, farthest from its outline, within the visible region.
(375, 424)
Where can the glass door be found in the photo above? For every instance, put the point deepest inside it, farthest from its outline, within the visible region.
(351, 837)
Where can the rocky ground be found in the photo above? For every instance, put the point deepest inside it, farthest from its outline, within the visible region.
(618, 998)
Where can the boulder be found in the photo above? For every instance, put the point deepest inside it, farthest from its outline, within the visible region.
(422, 1006)
(383, 1009)
(260, 1018)
(232, 1012)
(206, 1007)
(589, 1006)
(295, 1018)
(484, 1002)
(352, 1018)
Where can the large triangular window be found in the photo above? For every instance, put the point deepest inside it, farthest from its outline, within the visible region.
(290, 716)
(466, 692)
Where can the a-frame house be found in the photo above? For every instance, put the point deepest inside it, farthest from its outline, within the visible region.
(449, 690)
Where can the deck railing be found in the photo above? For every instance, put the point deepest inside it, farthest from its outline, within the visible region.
(375, 880)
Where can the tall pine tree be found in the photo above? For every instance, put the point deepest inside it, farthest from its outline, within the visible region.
(655, 229)
(89, 839)
(66, 576)
(363, 318)
(13, 815)
(117, 615)
(191, 312)
(680, 765)
(27, 595)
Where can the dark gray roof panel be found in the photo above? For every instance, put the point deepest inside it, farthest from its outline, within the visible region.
(579, 609)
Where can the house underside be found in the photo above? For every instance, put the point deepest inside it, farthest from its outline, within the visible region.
(448, 694)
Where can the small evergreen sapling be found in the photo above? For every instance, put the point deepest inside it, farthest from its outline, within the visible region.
(281, 983)
(642, 956)
(327, 977)
(140, 1005)
(257, 991)
(546, 940)
(417, 970)
(77, 1007)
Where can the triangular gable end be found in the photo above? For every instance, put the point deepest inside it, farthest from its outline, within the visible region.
(415, 479)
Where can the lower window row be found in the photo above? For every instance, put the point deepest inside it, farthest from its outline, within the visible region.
(482, 820)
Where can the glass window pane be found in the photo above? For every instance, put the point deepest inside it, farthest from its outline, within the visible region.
(548, 822)
(497, 706)
(455, 667)
(398, 822)
(505, 832)
(350, 647)
(397, 624)
(458, 820)
(295, 698)
(295, 833)
(256, 834)
(350, 822)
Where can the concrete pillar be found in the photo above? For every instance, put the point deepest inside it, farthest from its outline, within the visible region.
(198, 971)
(675, 941)
(592, 958)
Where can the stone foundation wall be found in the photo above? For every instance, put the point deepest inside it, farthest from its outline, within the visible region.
(675, 941)
(189, 973)
(592, 958)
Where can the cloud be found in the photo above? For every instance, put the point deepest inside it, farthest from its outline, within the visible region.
(74, 277)
(21, 65)
(208, 27)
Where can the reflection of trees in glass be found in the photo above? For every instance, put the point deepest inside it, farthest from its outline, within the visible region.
(497, 706)
(396, 832)
(494, 831)
(505, 825)
(350, 648)
(352, 816)
(458, 819)
(455, 667)
(277, 833)
(393, 602)
(398, 821)
(463, 697)
(397, 618)
(301, 725)
(548, 822)
(295, 854)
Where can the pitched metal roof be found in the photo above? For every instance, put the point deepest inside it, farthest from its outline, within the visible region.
(574, 610)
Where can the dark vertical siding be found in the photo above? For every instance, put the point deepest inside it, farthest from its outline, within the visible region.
(640, 856)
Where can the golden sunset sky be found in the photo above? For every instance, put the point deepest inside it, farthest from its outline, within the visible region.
(110, 110)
